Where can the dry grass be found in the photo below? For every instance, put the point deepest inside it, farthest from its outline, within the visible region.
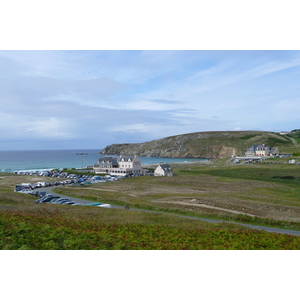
(220, 191)
(11, 201)
(201, 193)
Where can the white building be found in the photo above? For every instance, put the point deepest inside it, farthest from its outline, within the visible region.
(119, 165)
(163, 170)
(262, 150)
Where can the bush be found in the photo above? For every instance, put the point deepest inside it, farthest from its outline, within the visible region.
(57, 231)
(284, 177)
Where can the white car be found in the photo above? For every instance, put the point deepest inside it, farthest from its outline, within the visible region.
(104, 205)
(26, 191)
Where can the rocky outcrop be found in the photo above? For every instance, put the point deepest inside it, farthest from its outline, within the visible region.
(215, 144)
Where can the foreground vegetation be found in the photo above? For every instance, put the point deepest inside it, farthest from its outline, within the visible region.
(59, 231)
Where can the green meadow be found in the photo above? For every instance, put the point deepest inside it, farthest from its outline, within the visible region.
(264, 194)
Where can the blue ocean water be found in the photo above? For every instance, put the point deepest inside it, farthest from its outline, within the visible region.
(11, 161)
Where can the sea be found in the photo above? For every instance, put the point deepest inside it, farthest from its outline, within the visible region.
(38, 160)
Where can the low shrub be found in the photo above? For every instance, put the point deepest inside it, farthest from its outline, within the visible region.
(284, 177)
(55, 231)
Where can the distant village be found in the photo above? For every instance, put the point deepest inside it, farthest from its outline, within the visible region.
(260, 152)
(130, 166)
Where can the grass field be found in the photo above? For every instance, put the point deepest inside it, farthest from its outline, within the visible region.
(262, 191)
(258, 194)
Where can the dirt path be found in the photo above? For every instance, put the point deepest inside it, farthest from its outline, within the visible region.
(101, 189)
(269, 229)
(293, 140)
(206, 206)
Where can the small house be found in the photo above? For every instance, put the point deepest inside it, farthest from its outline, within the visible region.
(163, 170)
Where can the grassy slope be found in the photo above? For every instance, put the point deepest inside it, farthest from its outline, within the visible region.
(228, 187)
(76, 227)
(59, 231)
(203, 144)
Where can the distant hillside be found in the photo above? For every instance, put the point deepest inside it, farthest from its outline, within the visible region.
(214, 144)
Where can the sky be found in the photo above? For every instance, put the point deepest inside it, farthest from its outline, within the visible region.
(90, 99)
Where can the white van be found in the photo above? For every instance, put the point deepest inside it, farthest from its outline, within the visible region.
(25, 191)
(26, 184)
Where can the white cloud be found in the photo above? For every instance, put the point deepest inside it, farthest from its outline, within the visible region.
(138, 127)
(112, 95)
(23, 127)
(51, 128)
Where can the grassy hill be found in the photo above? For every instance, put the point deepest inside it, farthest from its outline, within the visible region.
(262, 194)
(214, 144)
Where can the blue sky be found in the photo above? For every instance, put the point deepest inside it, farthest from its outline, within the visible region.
(89, 99)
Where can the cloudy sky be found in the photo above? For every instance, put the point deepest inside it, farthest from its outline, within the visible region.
(89, 99)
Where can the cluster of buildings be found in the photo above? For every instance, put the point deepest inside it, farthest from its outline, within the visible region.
(262, 150)
(131, 165)
(257, 153)
(127, 166)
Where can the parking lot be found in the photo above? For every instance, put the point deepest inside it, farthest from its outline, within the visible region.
(42, 190)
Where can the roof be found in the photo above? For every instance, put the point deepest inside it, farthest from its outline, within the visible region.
(165, 167)
(254, 147)
(108, 160)
(116, 159)
(126, 157)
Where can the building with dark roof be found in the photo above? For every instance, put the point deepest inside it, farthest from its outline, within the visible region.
(119, 165)
(163, 170)
(262, 150)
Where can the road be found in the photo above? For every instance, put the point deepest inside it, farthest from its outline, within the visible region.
(293, 140)
(48, 190)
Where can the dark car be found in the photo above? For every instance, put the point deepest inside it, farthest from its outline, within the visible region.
(46, 199)
(36, 193)
(42, 194)
(69, 202)
(49, 199)
(63, 200)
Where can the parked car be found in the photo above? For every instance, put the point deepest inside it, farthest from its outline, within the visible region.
(49, 199)
(54, 200)
(105, 205)
(25, 191)
(69, 202)
(20, 187)
(46, 199)
(42, 194)
(63, 200)
(36, 193)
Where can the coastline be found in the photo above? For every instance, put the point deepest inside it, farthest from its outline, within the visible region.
(44, 160)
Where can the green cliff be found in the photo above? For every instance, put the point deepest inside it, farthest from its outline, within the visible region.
(213, 144)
